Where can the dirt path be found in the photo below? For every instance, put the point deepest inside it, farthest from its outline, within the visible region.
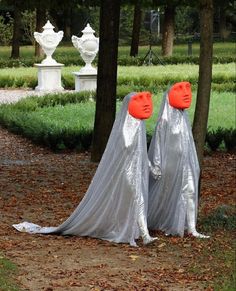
(43, 187)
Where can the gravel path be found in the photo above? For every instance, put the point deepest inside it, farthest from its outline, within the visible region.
(10, 96)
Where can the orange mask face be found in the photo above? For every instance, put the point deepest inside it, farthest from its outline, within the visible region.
(180, 95)
(140, 105)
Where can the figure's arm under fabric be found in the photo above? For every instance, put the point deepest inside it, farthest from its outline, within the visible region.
(155, 170)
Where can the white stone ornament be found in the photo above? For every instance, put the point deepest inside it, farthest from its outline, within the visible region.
(48, 40)
(88, 46)
(49, 71)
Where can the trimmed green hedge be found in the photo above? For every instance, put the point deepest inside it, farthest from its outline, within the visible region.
(51, 126)
(122, 61)
(65, 121)
(220, 82)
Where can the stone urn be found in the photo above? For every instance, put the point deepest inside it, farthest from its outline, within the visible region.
(87, 46)
(48, 40)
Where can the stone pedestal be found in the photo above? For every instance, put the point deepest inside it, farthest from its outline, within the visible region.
(85, 82)
(49, 77)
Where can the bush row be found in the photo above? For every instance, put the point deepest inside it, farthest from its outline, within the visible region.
(69, 124)
(214, 138)
(32, 103)
(45, 132)
(220, 82)
(122, 61)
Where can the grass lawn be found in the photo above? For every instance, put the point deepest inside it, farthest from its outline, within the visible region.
(186, 71)
(81, 115)
(69, 119)
(7, 268)
(151, 78)
(221, 114)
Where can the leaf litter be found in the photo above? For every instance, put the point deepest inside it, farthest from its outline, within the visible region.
(44, 187)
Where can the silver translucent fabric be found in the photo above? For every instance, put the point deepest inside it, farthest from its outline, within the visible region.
(173, 199)
(114, 207)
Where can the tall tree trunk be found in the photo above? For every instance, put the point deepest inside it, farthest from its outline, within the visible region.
(168, 31)
(40, 22)
(15, 52)
(205, 76)
(67, 24)
(223, 30)
(107, 76)
(136, 30)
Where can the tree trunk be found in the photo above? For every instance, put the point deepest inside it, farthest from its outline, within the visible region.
(205, 76)
(15, 52)
(107, 76)
(223, 30)
(136, 30)
(168, 31)
(67, 24)
(40, 22)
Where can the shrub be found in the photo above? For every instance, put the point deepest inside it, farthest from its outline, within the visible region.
(214, 138)
(75, 60)
(31, 103)
(6, 30)
(230, 139)
(65, 120)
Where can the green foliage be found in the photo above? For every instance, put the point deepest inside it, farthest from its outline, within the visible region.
(68, 55)
(68, 60)
(50, 100)
(126, 24)
(45, 121)
(61, 121)
(230, 138)
(214, 138)
(153, 78)
(186, 20)
(6, 29)
(28, 21)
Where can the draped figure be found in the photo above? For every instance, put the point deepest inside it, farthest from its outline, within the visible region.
(114, 207)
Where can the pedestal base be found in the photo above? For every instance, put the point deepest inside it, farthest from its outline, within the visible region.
(85, 82)
(49, 77)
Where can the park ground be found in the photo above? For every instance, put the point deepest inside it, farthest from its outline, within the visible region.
(44, 187)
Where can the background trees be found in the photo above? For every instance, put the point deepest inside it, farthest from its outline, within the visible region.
(178, 20)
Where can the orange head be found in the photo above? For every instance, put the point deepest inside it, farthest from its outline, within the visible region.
(140, 105)
(180, 95)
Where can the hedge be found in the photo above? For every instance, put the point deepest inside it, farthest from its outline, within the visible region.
(122, 61)
(220, 82)
(43, 121)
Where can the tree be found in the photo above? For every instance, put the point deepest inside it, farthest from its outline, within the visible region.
(6, 29)
(205, 76)
(107, 76)
(15, 52)
(227, 17)
(186, 19)
(168, 29)
(40, 22)
(28, 23)
(136, 29)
